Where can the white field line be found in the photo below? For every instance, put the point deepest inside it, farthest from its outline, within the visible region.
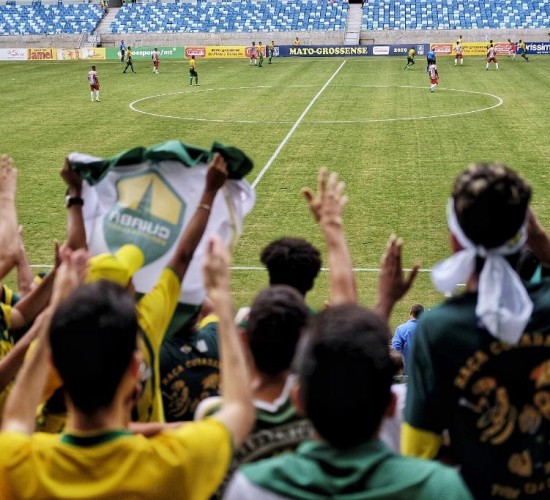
(293, 129)
(259, 268)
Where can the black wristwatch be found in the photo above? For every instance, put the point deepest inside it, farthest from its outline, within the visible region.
(73, 200)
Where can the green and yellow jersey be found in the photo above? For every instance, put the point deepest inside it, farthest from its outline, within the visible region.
(412, 53)
(188, 462)
(8, 296)
(6, 345)
(192, 65)
(154, 313)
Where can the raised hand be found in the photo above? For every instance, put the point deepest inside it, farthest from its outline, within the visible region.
(217, 173)
(327, 205)
(8, 176)
(71, 178)
(71, 273)
(216, 265)
(392, 282)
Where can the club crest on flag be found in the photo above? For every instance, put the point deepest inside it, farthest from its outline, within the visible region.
(148, 212)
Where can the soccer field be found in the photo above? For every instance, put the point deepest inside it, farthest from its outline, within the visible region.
(396, 145)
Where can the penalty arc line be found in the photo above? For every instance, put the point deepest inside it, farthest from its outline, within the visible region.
(293, 129)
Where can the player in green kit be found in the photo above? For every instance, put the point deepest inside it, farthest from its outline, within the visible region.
(260, 54)
(270, 50)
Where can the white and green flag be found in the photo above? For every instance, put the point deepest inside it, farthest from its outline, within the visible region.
(146, 196)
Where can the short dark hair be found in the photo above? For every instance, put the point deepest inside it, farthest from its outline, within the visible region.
(93, 337)
(491, 203)
(417, 310)
(93, 67)
(292, 261)
(346, 372)
(274, 325)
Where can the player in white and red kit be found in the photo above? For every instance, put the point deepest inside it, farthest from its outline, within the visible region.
(513, 48)
(156, 61)
(491, 57)
(434, 76)
(458, 54)
(94, 84)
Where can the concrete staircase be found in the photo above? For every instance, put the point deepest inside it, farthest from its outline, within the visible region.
(103, 26)
(353, 24)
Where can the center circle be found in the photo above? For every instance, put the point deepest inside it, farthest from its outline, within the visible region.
(330, 103)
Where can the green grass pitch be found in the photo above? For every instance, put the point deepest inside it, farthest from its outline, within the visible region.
(396, 145)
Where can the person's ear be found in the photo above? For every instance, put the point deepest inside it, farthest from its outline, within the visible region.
(297, 400)
(135, 365)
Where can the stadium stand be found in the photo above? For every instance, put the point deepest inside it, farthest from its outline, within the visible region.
(42, 19)
(454, 14)
(235, 16)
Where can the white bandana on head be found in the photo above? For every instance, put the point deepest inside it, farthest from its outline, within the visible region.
(503, 305)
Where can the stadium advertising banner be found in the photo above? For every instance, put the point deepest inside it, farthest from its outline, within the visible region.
(323, 50)
(470, 48)
(147, 52)
(538, 47)
(13, 54)
(399, 49)
(350, 50)
(220, 52)
(42, 54)
(83, 53)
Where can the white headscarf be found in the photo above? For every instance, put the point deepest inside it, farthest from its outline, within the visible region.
(503, 305)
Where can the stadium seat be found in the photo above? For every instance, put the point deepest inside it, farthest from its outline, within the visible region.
(452, 14)
(39, 19)
(236, 16)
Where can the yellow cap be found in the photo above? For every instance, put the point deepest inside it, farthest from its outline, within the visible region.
(118, 267)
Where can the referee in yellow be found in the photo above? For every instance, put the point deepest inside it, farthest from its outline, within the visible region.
(193, 71)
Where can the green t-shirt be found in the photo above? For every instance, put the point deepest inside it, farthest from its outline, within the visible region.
(492, 397)
(189, 371)
(369, 471)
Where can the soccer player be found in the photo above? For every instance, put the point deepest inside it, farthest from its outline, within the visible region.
(253, 54)
(491, 57)
(410, 58)
(458, 54)
(270, 50)
(129, 63)
(260, 54)
(522, 50)
(513, 48)
(430, 58)
(156, 61)
(193, 71)
(94, 84)
(122, 49)
(434, 76)
(296, 41)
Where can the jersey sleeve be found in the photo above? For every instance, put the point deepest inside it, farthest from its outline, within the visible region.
(156, 308)
(205, 448)
(419, 443)
(425, 397)
(397, 341)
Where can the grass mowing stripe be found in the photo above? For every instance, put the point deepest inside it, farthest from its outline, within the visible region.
(294, 127)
